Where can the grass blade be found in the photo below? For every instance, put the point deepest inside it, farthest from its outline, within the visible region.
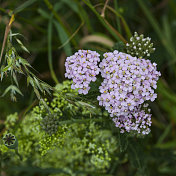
(50, 51)
(154, 23)
(105, 23)
(63, 38)
(23, 6)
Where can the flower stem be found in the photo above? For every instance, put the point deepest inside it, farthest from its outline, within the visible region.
(16, 151)
(80, 121)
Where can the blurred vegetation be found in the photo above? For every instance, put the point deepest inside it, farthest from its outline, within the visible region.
(53, 30)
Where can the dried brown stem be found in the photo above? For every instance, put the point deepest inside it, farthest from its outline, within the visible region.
(104, 8)
(8, 27)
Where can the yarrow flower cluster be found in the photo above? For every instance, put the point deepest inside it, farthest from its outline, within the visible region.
(128, 83)
(82, 68)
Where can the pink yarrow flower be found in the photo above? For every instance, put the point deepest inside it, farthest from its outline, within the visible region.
(82, 68)
(128, 83)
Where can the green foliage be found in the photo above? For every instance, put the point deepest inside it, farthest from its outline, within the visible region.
(13, 65)
(67, 104)
(11, 120)
(83, 146)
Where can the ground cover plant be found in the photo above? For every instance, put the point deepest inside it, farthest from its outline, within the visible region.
(87, 88)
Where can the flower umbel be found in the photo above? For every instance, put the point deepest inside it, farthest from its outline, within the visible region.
(82, 68)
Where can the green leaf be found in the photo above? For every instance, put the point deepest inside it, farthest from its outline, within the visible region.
(24, 5)
(164, 39)
(24, 62)
(6, 68)
(137, 157)
(60, 30)
(164, 135)
(38, 84)
(2, 75)
(33, 170)
(15, 78)
(63, 38)
(85, 104)
(28, 80)
(31, 81)
(15, 34)
(122, 141)
(50, 51)
(46, 88)
(37, 93)
(22, 46)
(11, 88)
(72, 5)
(167, 145)
(43, 13)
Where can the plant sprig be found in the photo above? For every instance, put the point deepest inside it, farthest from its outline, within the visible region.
(14, 65)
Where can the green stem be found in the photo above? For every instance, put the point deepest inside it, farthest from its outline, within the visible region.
(124, 23)
(105, 23)
(50, 7)
(117, 19)
(80, 121)
(16, 151)
(3, 10)
(50, 51)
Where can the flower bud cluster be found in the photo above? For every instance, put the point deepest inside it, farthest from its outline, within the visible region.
(128, 83)
(50, 124)
(140, 46)
(82, 68)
